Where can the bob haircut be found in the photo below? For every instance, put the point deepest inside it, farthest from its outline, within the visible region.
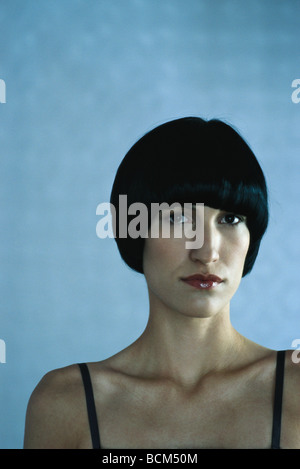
(197, 161)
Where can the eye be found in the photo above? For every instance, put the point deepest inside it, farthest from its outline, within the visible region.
(231, 219)
(179, 217)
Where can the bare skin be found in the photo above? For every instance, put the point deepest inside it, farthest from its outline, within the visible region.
(190, 380)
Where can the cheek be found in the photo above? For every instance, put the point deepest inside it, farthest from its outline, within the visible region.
(245, 242)
(153, 250)
(239, 248)
(160, 253)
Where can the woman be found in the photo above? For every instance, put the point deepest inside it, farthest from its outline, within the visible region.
(190, 380)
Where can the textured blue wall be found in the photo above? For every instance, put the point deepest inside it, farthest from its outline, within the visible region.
(84, 79)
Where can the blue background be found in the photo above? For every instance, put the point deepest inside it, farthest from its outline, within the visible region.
(84, 80)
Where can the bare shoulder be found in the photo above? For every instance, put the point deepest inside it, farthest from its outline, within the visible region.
(292, 378)
(291, 401)
(55, 414)
(110, 379)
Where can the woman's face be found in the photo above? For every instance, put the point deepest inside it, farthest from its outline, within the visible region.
(169, 265)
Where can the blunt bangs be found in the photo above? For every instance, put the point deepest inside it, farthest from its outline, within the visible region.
(196, 161)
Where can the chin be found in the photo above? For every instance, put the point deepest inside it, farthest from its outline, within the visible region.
(203, 311)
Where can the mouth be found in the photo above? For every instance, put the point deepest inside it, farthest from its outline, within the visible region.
(203, 282)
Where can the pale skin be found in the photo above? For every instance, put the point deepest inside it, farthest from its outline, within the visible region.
(190, 380)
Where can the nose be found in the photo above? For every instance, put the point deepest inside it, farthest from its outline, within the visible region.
(209, 252)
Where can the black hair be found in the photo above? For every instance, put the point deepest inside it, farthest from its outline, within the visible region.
(193, 160)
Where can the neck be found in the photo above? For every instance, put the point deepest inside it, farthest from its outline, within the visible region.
(184, 349)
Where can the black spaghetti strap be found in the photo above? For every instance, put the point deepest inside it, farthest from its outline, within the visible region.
(277, 411)
(91, 408)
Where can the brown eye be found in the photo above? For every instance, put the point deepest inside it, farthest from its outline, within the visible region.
(231, 219)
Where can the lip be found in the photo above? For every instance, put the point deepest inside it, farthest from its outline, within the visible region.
(203, 282)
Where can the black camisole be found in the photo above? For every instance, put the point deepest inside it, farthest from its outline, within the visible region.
(277, 408)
